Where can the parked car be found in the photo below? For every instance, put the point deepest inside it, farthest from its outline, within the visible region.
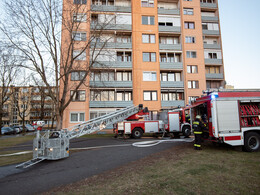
(7, 131)
(29, 127)
(17, 129)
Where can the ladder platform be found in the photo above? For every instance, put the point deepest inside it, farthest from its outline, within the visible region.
(30, 163)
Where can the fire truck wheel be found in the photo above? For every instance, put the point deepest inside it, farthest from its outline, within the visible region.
(137, 133)
(252, 142)
(186, 131)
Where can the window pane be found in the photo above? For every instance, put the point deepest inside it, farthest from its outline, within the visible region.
(119, 96)
(119, 76)
(145, 20)
(146, 57)
(125, 76)
(178, 76)
(146, 76)
(145, 38)
(147, 96)
(171, 77)
(152, 37)
(111, 96)
(154, 76)
(104, 95)
(154, 95)
(153, 57)
(151, 20)
(74, 117)
(81, 117)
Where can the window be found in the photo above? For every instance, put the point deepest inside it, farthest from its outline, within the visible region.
(192, 98)
(171, 96)
(147, 38)
(193, 84)
(149, 76)
(79, 55)
(147, 3)
(170, 57)
(210, 26)
(212, 70)
(80, 95)
(187, 0)
(24, 106)
(80, 2)
(149, 57)
(169, 40)
(207, 1)
(150, 95)
(189, 25)
(25, 90)
(170, 76)
(77, 117)
(79, 36)
(212, 55)
(188, 11)
(79, 17)
(192, 69)
(124, 56)
(77, 75)
(148, 20)
(213, 84)
(123, 76)
(110, 95)
(123, 39)
(191, 54)
(189, 39)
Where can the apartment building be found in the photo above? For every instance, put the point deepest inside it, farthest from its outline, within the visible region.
(159, 53)
(28, 104)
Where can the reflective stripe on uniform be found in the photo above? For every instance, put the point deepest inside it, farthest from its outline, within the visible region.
(196, 123)
(197, 145)
(196, 132)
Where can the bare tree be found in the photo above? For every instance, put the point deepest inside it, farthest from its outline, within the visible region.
(8, 73)
(36, 30)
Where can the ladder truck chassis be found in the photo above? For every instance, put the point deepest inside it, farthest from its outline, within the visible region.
(233, 117)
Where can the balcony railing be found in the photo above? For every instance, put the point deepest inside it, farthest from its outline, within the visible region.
(208, 5)
(175, 84)
(113, 84)
(98, 26)
(215, 76)
(110, 104)
(112, 45)
(169, 11)
(170, 46)
(212, 46)
(176, 29)
(171, 65)
(175, 103)
(209, 18)
(109, 8)
(211, 32)
(214, 61)
(112, 64)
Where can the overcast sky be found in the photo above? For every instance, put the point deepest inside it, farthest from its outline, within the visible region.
(240, 29)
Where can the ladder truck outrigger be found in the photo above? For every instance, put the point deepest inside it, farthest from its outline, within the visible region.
(54, 145)
(232, 117)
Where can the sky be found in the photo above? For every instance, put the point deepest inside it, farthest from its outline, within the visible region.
(240, 29)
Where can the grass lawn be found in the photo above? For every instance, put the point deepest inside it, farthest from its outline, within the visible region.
(214, 170)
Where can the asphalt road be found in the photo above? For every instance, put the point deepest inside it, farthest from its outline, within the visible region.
(80, 165)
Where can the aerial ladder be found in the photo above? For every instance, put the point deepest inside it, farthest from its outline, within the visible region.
(54, 145)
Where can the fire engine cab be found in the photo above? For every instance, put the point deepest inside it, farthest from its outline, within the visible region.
(173, 122)
(232, 117)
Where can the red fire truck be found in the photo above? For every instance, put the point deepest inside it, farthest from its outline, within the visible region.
(232, 117)
(173, 122)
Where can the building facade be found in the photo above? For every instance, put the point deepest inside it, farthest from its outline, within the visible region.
(162, 54)
(28, 104)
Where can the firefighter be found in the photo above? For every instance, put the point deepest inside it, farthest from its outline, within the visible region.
(198, 127)
(187, 118)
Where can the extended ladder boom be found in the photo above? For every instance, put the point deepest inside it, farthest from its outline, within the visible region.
(101, 122)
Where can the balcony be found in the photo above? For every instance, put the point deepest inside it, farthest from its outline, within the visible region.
(109, 8)
(176, 29)
(171, 47)
(172, 84)
(211, 32)
(212, 46)
(215, 76)
(208, 5)
(213, 61)
(113, 84)
(170, 104)
(209, 18)
(112, 64)
(168, 11)
(97, 26)
(112, 45)
(171, 65)
(110, 104)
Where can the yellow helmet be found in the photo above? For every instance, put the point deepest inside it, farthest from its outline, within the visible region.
(198, 117)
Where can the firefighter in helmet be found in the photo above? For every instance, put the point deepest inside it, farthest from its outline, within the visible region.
(197, 126)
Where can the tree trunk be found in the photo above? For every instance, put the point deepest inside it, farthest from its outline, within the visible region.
(59, 122)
